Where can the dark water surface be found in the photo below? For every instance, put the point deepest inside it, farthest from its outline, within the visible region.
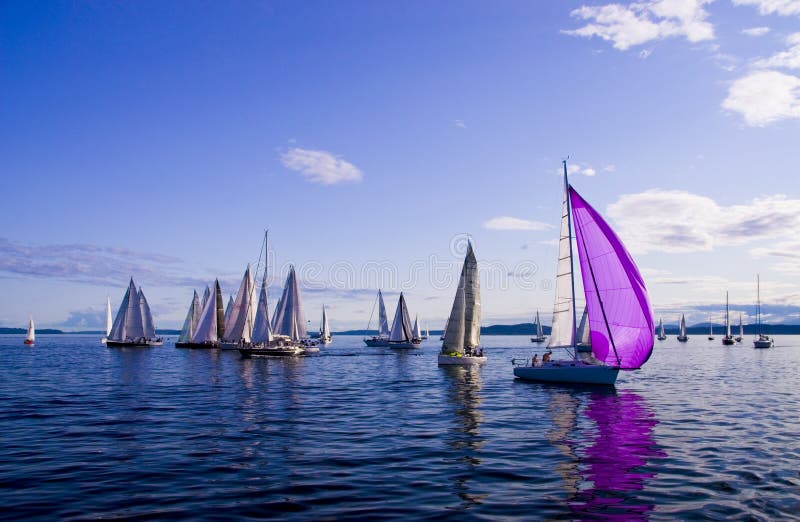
(87, 432)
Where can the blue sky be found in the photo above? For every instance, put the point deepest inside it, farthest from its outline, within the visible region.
(159, 139)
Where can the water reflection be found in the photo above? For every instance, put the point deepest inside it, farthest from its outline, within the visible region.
(604, 470)
(464, 438)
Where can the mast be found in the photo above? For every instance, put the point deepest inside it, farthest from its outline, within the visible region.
(727, 320)
(571, 258)
(758, 302)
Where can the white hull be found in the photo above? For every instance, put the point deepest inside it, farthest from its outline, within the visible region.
(311, 349)
(574, 372)
(762, 343)
(464, 360)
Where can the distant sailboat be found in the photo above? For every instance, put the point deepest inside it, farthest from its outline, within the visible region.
(425, 333)
(762, 340)
(727, 340)
(108, 320)
(417, 330)
(584, 343)
(382, 339)
(441, 337)
(30, 338)
(537, 325)
(325, 329)
(239, 321)
(402, 334)
(620, 319)
(741, 331)
(462, 340)
(710, 329)
(133, 325)
(190, 323)
(682, 337)
(661, 335)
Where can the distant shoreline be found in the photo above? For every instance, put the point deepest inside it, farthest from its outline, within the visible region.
(498, 329)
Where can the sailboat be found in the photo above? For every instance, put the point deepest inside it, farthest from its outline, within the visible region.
(325, 329)
(133, 325)
(402, 334)
(30, 338)
(762, 340)
(382, 339)
(727, 340)
(620, 319)
(441, 337)
(739, 337)
(108, 320)
(539, 337)
(289, 322)
(710, 329)
(210, 325)
(240, 319)
(425, 333)
(661, 335)
(190, 323)
(462, 340)
(417, 330)
(682, 337)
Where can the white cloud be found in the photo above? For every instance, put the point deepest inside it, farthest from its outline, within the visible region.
(765, 97)
(584, 170)
(755, 31)
(512, 223)
(319, 166)
(766, 7)
(610, 168)
(460, 124)
(680, 222)
(789, 59)
(640, 22)
(644, 53)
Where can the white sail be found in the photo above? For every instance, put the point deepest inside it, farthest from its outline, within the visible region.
(148, 329)
(383, 320)
(539, 332)
(464, 324)
(108, 316)
(683, 326)
(206, 295)
(239, 323)
(584, 333)
(741, 328)
(661, 328)
(401, 326)
(262, 329)
(128, 323)
(190, 323)
(31, 331)
(325, 331)
(289, 317)
(206, 330)
(228, 308)
(727, 318)
(417, 332)
(562, 332)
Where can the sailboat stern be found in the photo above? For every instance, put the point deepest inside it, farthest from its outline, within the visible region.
(569, 372)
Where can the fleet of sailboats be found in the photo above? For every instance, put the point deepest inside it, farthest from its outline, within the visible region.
(133, 325)
(462, 339)
(620, 320)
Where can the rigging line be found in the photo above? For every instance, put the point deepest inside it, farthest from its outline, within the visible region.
(600, 300)
(373, 313)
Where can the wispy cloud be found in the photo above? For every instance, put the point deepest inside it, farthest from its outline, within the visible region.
(641, 22)
(788, 59)
(678, 221)
(512, 223)
(645, 53)
(85, 263)
(460, 124)
(764, 97)
(319, 166)
(767, 7)
(756, 31)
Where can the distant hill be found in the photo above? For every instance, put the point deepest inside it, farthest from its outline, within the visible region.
(23, 331)
(498, 329)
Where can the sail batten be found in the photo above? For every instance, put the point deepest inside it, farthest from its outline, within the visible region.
(619, 313)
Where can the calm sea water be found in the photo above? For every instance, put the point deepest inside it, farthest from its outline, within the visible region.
(702, 432)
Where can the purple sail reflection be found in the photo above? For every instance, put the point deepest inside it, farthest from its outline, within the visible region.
(623, 446)
(610, 278)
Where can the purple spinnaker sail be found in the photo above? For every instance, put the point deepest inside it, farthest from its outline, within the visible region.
(620, 317)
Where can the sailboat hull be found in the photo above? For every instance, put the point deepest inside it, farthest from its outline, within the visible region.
(272, 351)
(403, 345)
(377, 342)
(682, 339)
(28, 342)
(464, 360)
(662, 338)
(762, 343)
(201, 346)
(728, 341)
(574, 372)
(538, 340)
(146, 343)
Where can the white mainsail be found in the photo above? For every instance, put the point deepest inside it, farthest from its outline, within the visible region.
(192, 317)
(31, 337)
(660, 328)
(228, 308)
(325, 331)
(240, 320)
(262, 329)
(108, 316)
(563, 329)
(148, 329)
(683, 326)
(463, 328)
(383, 320)
(741, 328)
(128, 323)
(206, 295)
(289, 318)
(416, 330)
(401, 326)
(539, 332)
(584, 333)
(207, 327)
(727, 318)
